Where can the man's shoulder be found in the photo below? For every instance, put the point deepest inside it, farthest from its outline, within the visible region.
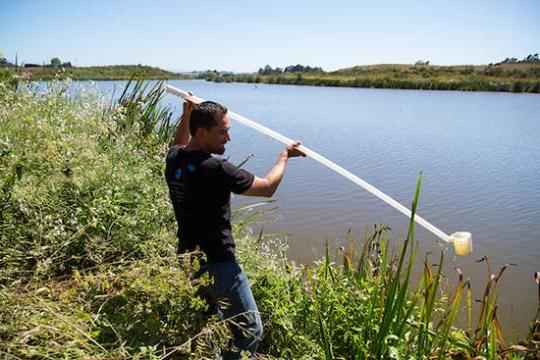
(177, 156)
(174, 152)
(179, 152)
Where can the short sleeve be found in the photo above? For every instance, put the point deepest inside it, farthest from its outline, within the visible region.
(235, 179)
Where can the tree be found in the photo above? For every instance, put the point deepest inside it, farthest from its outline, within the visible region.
(55, 62)
(3, 60)
(300, 68)
(268, 70)
(531, 58)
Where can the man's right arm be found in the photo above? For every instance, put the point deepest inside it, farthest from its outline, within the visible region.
(182, 136)
(268, 185)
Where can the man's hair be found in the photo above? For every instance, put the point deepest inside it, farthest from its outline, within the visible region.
(206, 115)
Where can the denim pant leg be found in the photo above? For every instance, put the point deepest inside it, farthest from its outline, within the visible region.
(231, 285)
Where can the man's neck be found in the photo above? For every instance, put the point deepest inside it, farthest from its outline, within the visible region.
(195, 145)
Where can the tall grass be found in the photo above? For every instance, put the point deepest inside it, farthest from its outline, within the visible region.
(89, 270)
(80, 188)
(8, 78)
(142, 104)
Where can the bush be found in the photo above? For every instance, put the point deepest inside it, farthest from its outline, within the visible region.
(79, 187)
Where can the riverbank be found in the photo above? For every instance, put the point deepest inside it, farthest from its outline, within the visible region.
(89, 268)
(113, 72)
(504, 77)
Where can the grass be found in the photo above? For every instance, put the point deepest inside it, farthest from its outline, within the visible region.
(88, 266)
(509, 78)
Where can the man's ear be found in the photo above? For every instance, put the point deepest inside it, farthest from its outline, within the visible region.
(199, 132)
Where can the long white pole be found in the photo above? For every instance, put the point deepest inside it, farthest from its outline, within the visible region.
(321, 159)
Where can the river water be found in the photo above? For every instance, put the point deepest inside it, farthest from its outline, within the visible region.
(479, 155)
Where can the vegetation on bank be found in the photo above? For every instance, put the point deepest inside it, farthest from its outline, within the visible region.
(88, 266)
(112, 72)
(509, 77)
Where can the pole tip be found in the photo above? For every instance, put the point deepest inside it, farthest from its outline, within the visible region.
(462, 241)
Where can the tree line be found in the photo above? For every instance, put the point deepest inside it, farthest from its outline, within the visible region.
(529, 59)
(268, 70)
(54, 63)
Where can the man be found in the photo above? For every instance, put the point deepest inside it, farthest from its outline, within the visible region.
(200, 188)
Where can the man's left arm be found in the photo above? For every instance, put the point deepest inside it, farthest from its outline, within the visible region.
(268, 185)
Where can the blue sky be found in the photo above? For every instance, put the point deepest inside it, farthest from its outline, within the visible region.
(245, 35)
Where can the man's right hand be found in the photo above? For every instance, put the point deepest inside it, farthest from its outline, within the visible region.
(182, 136)
(188, 105)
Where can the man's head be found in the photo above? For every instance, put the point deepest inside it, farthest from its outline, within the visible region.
(209, 125)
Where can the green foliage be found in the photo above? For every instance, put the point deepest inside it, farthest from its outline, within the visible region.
(125, 311)
(55, 62)
(79, 187)
(529, 59)
(268, 70)
(142, 107)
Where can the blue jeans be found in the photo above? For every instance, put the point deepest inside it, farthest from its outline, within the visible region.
(231, 285)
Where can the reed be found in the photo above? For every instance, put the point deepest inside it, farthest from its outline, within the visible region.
(141, 102)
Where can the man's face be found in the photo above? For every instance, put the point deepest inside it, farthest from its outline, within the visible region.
(218, 136)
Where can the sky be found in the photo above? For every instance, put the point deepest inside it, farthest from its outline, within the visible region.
(242, 36)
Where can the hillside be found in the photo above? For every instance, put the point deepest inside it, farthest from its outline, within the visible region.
(515, 77)
(114, 72)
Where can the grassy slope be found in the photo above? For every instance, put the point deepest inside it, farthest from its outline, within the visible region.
(87, 253)
(512, 77)
(117, 72)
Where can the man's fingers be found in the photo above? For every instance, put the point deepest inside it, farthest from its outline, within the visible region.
(188, 101)
(295, 143)
(188, 104)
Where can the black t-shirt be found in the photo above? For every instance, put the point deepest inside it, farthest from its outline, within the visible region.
(200, 188)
